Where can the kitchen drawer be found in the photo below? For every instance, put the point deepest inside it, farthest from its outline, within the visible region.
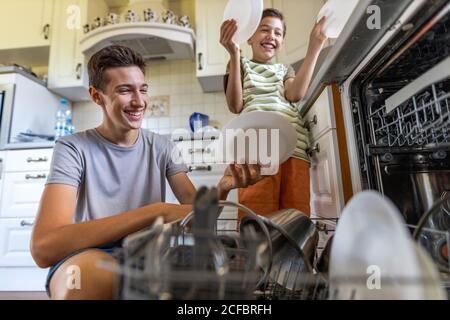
(15, 236)
(200, 151)
(320, 117)
(21, 193)
(28, 160)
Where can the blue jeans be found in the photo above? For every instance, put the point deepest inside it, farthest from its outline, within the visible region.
(107, 248)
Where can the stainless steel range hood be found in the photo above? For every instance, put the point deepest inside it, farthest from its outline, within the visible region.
(153, 40)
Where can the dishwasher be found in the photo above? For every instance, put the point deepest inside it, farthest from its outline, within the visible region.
(397, 101)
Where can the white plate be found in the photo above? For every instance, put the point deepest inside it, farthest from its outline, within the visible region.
(254, 122)
(431, 281)
(337, 12)
(372, 248)
(247, 13)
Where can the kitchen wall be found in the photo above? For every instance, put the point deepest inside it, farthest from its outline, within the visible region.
(177, 79)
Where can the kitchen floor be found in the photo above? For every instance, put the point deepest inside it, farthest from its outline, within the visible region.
(23, 295)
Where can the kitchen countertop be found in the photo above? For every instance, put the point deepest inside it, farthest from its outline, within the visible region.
(17, 69)
(353, 45)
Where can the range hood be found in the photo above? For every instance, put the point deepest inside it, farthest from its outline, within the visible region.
(153, 40)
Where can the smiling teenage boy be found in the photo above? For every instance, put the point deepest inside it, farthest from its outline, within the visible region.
(261, 85)
(108, 182)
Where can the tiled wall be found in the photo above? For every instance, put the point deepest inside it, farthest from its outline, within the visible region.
(176, 79)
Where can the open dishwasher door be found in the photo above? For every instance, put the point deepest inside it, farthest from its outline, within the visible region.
(396, 109)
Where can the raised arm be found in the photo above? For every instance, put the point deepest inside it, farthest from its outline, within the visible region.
(296, 88)
(233, 83)
(55, 235)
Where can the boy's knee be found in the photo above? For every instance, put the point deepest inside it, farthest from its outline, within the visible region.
(81, 277)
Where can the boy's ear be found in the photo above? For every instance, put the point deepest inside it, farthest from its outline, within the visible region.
(96, 96)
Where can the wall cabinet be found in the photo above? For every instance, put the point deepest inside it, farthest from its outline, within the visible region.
(26, 23)
(67, 66)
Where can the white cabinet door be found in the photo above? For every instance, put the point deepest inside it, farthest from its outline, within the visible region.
(67, 68)
(326, 182)
(15, 236)
(212, 58)
(25, 23)
(300, 16)
(2, 173)
(21, 193)
(320, 118)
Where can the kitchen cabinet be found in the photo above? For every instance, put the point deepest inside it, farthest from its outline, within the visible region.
(327, 197)
(212, 58)
(23, 176)
(300, 17)
(67, 66)
(21, 193)
(26, 23)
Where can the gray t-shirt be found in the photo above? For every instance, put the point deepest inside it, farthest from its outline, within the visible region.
(112, 179)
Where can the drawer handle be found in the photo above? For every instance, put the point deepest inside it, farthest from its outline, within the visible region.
(199, 168)
(35, 177)
(44, 159)
(25, 223)
(310, 123)
(199, 150)
(315, 149)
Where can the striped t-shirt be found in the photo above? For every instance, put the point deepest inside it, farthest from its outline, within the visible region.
(263, 90)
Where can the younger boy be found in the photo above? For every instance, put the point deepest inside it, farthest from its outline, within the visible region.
(258, 84)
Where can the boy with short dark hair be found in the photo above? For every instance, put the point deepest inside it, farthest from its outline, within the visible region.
(108, 182)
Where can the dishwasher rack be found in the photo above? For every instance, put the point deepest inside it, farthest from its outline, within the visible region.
(172, 261)
(424, 119)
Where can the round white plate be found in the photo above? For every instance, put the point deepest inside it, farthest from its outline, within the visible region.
(431, 281)
(247, 13)
(262, 141)
(372, 255)
(337, 12)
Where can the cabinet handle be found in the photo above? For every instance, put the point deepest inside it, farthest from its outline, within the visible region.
(200, 59)
(44, 159)
(35, 177)
(78, 71)
(199, 168)
(1, 168)
(25, 223)
(315, 149)
(198, 150)
(46, 31)
(310, 123)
